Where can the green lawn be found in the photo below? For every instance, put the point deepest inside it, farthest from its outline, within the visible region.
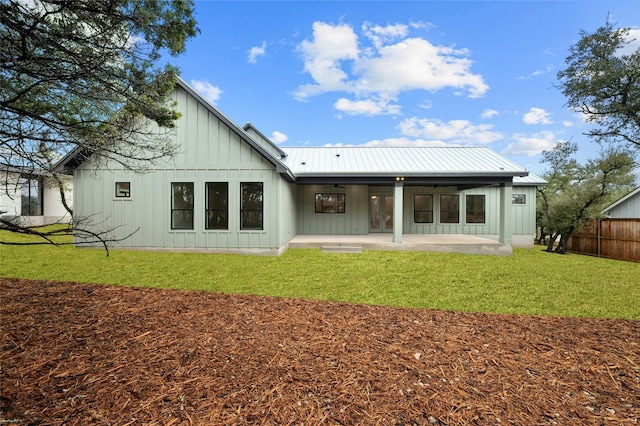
(529, 282)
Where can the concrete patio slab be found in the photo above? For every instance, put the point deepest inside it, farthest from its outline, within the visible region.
(453, 243)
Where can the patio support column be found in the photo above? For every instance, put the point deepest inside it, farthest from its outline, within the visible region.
(505, 212)
(398, 201)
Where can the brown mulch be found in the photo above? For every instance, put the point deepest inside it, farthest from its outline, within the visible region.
(78, 354)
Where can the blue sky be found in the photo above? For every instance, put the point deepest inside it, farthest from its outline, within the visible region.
(425, 73)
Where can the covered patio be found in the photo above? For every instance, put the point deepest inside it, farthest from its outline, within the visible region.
(448, 243)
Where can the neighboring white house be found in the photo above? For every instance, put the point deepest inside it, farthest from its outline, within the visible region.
(230, 188)
(33, 197)
(627, 207)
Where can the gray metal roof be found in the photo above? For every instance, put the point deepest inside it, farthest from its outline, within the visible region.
(531, 180)
(621, 200)
(399, 161)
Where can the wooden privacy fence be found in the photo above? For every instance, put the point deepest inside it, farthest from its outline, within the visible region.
(612, 238)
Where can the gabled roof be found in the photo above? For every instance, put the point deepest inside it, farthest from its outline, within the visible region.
(399, 161)
(622, 200)
(77, 156)
(458, 165)
(280, 166)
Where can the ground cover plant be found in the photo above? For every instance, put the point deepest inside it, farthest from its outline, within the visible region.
(313, 340)
(529, 282)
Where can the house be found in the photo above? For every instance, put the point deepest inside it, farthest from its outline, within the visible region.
(230, 189)
(32, 197)
(627, 207)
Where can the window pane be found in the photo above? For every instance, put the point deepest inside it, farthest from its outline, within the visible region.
(340, 208)
(423, 208)
(518, 199)
(182, 195)
(123, 189)
(217, 219)
(30, 197)
(182, 219)
(251, 196)
(251, 220)
(251, 205)
(182, 205)
(318, 203)
(217, 195)
(423, 217)
(475, 208)
(449, 208)
(330, 203)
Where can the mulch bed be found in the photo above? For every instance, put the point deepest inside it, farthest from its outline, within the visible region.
(78, 354)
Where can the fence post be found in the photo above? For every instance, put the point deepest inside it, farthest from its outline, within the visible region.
(599, 224)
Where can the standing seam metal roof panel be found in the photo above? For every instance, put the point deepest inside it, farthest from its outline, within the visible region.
(410, 161)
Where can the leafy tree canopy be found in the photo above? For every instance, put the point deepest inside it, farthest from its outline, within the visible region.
(86, 74)
(603, 82)
(578, 192)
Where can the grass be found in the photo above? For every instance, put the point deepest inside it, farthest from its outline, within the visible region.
(529, 282)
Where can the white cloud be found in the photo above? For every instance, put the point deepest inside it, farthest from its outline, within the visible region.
(416, 64)
(366, 107)
(207, 90)
(256, 52)
(489, 113)
(536, 73)
(460, 132)
(396, 142)
(338, 61)
(633, 38)
(382, 35)
(331, 44)
(278, 137)
(537, 116)
(531, 145)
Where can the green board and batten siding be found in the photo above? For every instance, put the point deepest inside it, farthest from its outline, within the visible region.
(355, 219)
(210, 151)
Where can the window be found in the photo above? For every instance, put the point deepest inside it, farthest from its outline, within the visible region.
(518, 198)
(475, 208)
(182, 205)
(251, 205)
(123, 189)
(31, 197)
(330, 203)
(449, 208)
(423, 208)
(217, 199)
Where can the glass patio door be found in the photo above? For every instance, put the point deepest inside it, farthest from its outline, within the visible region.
(381, 213)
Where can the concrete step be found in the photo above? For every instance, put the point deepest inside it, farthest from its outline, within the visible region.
(341, 249)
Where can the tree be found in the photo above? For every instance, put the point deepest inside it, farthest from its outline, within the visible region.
(576, 193)
(603, 82)
(85, 76)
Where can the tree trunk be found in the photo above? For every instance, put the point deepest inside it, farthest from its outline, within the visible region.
(552, 241)
(564, 239)
(541, 236)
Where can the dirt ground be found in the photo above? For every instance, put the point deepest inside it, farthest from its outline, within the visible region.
(78, 354)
